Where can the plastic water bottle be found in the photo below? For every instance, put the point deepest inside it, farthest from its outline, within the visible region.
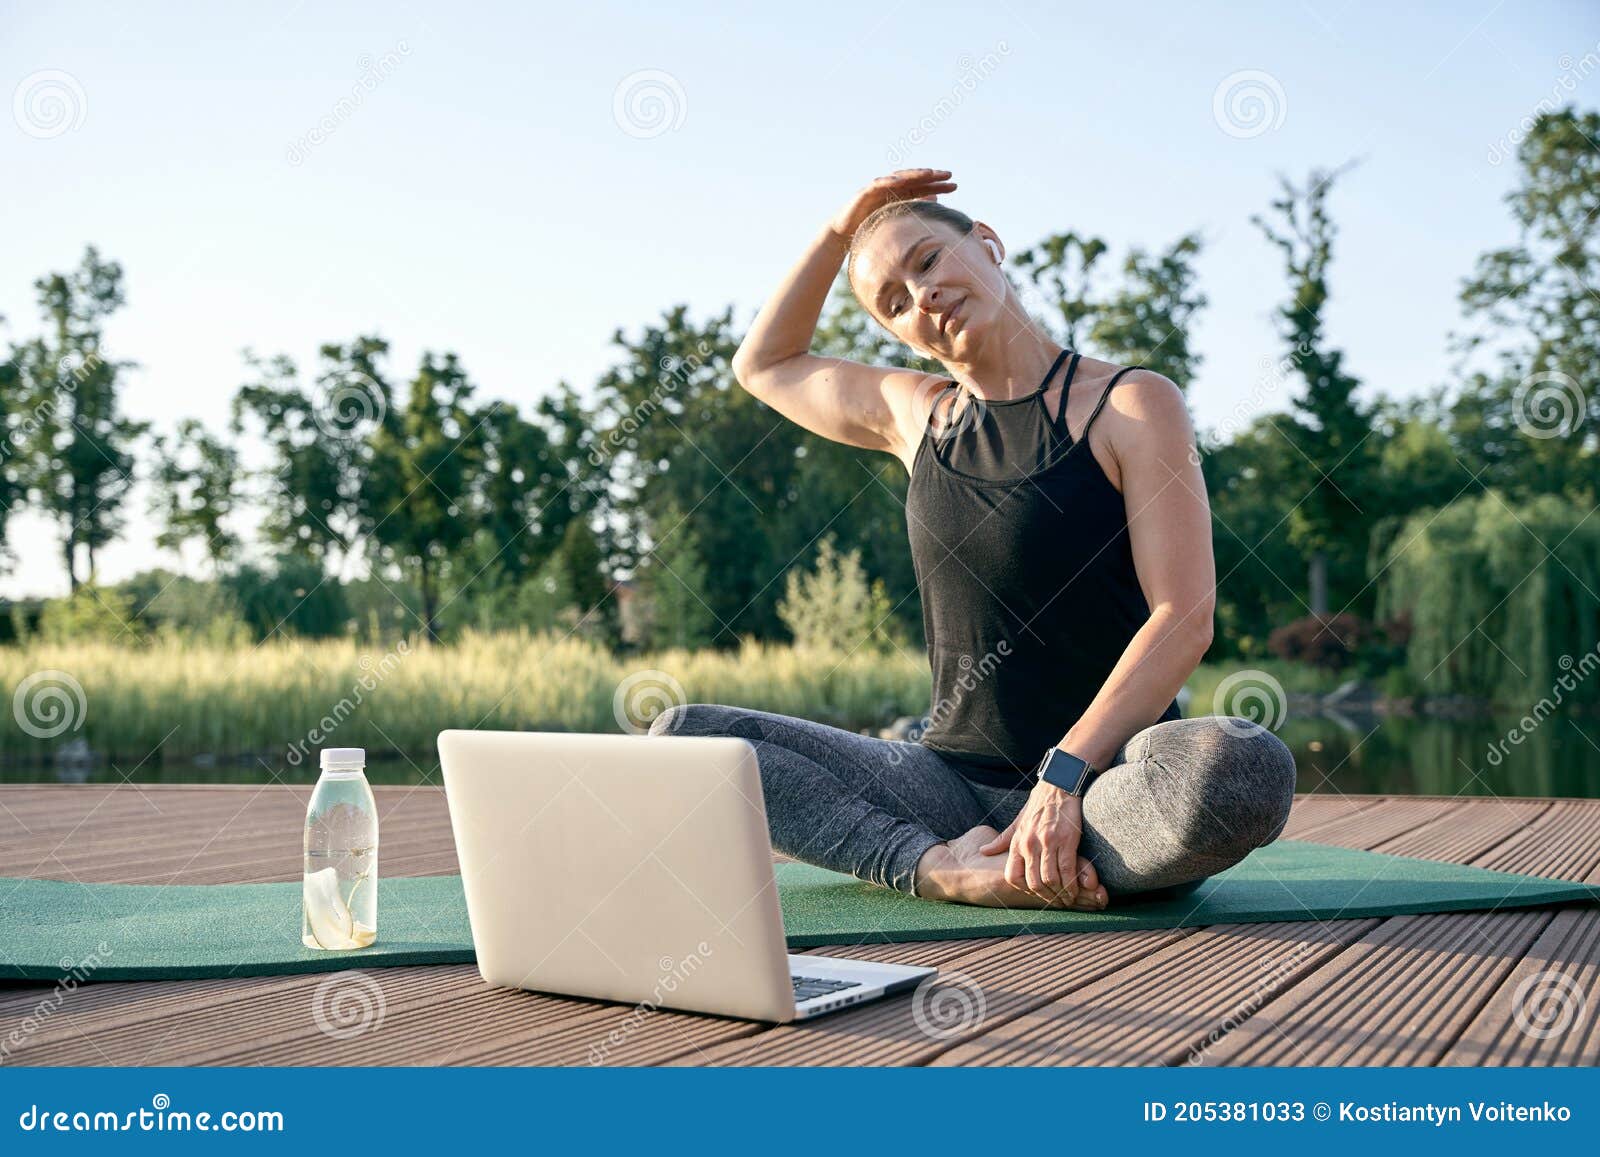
(340, 895)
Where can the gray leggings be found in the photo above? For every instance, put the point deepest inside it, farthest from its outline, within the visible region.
(1181, 800)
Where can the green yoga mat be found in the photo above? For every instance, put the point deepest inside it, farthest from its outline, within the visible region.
(54, 930)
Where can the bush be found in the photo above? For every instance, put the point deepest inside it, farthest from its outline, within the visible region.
(835, 606)
(91, 614)
(1340, 642)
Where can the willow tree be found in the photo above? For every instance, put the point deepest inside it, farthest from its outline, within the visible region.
(1501, 598)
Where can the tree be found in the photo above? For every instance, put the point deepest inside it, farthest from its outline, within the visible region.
(1532, 423)
(308, 491)
(76, 448)
(675, 584)
(1060, 268)
(12, 417)
(1146, 320)
(422, 470)
(1327, 427)
(197, 486)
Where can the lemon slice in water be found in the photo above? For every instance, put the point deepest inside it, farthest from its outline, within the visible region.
(326, 913)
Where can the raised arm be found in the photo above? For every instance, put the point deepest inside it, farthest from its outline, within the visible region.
(842, 400)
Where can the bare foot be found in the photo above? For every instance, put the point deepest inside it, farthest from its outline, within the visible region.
(958, 872)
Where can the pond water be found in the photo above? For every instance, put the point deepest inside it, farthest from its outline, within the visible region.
(1360, 754)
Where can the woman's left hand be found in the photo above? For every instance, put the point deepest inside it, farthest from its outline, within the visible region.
(1043, 841)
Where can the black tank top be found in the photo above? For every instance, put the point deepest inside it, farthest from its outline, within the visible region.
(1020, 546)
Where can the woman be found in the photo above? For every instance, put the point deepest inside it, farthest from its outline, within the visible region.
(1061, 539)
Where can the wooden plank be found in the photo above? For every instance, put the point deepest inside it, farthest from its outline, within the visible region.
(1407, 991)
(1088, 998)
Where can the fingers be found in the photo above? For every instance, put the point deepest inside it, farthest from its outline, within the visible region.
(1001, 842)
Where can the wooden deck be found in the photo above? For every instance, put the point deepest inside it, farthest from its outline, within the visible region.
(1408, 990)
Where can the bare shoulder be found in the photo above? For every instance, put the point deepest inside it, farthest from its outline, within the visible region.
(1145, 418)
(1146, 408)
(920, 402)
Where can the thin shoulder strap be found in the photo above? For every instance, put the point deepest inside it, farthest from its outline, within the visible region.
(1058, 423)
(1106, 393)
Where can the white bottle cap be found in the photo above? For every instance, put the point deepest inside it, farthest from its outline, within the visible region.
(343, 757)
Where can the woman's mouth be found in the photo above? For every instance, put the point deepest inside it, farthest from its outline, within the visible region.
(951, 317)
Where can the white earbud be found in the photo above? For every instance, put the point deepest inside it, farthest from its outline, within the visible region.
(993, 249)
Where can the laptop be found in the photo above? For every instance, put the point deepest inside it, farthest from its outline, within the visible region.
(634, 868)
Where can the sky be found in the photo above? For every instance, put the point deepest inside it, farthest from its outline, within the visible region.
(515, 183)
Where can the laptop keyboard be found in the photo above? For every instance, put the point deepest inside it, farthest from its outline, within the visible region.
(805, 987)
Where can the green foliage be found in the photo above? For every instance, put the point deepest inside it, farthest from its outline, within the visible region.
(1501, 596)
(1335, 492)
(198, 483)
(675, 587)
(292, 598)
(74, 449)
(91, 614)
(836, 606)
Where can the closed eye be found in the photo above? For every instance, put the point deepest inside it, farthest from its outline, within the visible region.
(927, 264)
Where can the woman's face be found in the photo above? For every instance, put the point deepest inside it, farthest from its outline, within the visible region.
(935, 291)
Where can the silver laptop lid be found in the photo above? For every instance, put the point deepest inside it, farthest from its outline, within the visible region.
(619, 867)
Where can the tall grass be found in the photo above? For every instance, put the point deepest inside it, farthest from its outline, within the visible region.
(283, 700)
(178, 700)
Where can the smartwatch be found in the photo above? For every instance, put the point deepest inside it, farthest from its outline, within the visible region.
(1066, 771)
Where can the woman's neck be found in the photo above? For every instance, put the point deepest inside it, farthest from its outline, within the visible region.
(1011, 366)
